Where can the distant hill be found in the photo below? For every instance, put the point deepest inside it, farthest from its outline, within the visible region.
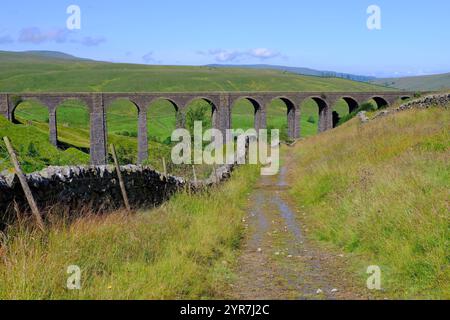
(302, 71)
(37, 55)
(46, 71)
(431, 82)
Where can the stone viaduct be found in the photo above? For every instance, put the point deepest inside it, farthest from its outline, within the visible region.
(221, 105)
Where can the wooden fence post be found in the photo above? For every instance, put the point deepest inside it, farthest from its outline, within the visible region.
(25, 187)
(164, 167)
(215, 174)
(195, 175)
(121, 182)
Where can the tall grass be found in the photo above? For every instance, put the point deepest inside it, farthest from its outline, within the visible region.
(381, 190)
(182, 250)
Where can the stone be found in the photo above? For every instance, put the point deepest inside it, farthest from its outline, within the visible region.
(94, 187)
(363, 117)
(442, 100)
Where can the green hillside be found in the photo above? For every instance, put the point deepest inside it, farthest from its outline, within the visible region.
(382, 198)
(36, 152)
(20, 72)
(432, 82)
(57, 72)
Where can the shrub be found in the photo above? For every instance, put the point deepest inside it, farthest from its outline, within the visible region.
(32, 150)
(197, 113)
(311, 119)
(167, 141)
(124, 133)
(367, 106)
(125, 155)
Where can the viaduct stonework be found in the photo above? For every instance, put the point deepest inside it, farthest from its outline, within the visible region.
(221, 105)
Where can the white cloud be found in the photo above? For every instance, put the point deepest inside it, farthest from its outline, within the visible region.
(263, 53)
(222, 55)
(225, 55)
(92, 41)
(35, 35)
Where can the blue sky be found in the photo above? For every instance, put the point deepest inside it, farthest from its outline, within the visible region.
(320, 34)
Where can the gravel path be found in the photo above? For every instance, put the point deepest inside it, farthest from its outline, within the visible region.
(278, 261)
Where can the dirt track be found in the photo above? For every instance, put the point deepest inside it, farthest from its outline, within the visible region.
(278, 261)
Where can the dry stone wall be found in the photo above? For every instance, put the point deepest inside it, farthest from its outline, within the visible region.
(96, 188)
(427, 102)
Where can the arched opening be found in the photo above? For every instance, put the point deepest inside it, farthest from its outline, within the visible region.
(31, 138)
(379, 102)
(162, 117)
(342, 109)
(36, 141)
(72, 123)
(31, 112)
(405, 98)
(245, 114)
(200, 109)
(281, 116)
(350, 106)
(122, 129)
(314, 116)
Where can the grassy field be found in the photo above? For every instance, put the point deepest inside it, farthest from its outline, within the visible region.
(34, 149)
(36, 152)
(380, 192)
(166, 253)
(37, 73)
(34, 73)
(19, 73)
(431, 82)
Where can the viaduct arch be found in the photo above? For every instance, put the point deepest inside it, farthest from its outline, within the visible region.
(221, 104)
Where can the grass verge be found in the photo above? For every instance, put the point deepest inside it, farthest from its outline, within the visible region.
(381, 191)
(182, 250)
